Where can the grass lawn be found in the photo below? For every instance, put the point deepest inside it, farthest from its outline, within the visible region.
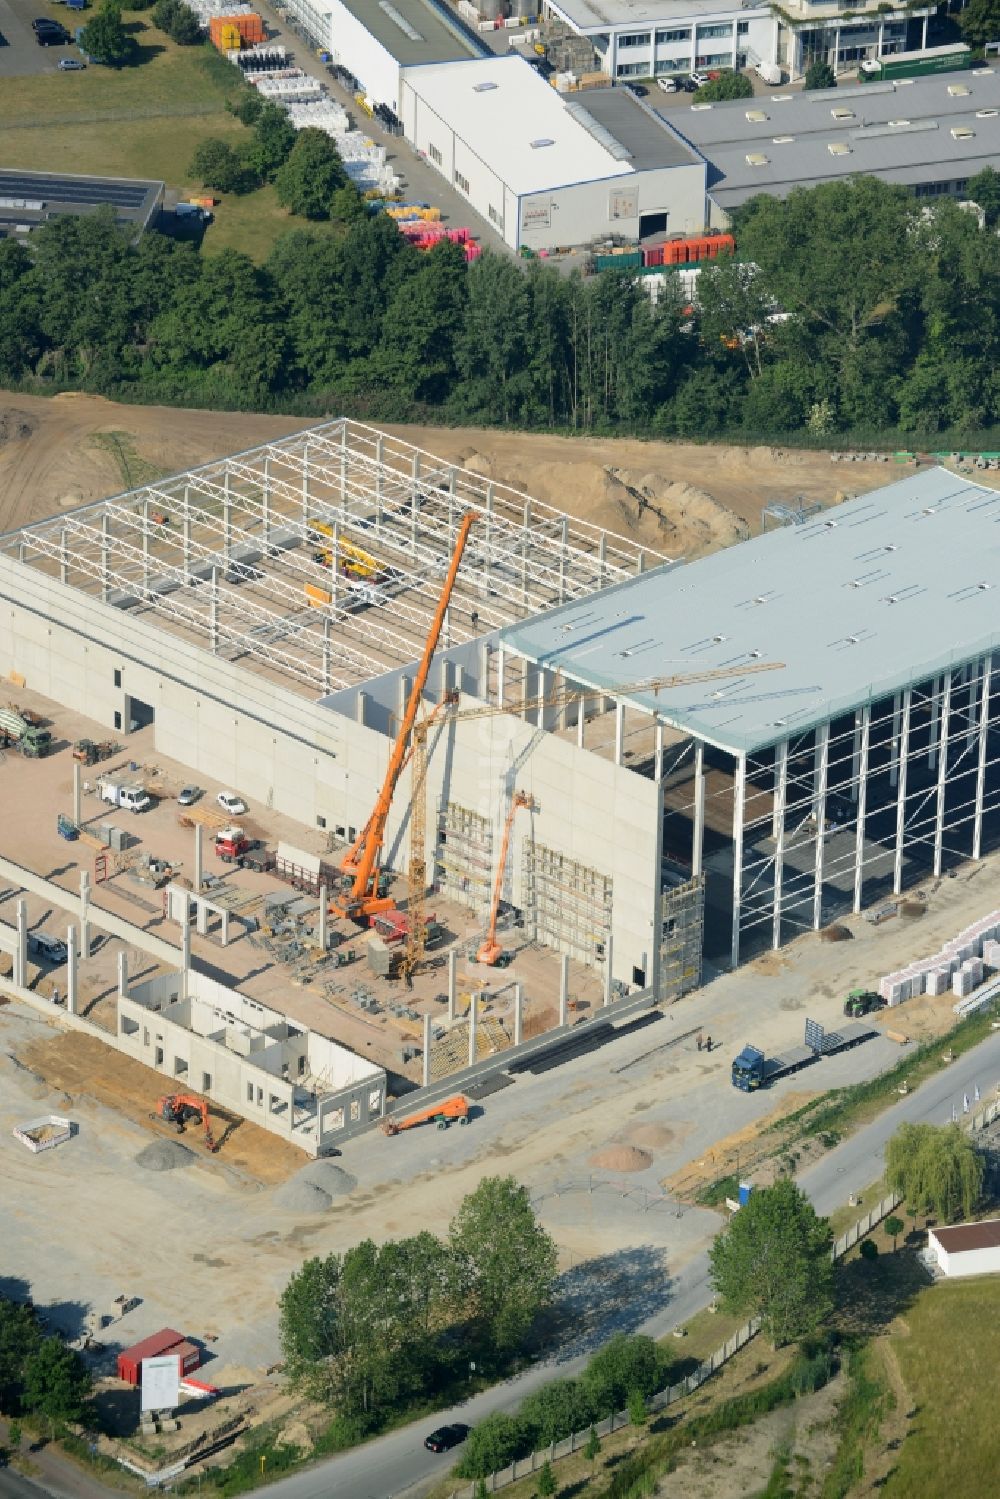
(945, 1350)
(141, 121)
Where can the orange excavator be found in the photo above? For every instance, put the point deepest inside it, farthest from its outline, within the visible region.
(179, 1108)
(360, 898)
(490, 951)
(440, 1114)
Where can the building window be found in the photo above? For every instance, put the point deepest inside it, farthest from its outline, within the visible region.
(250, 1090)
(634, 39)
(435, 155)
(495, 216)
(463, 182)
(673, 65)
(704, 32)
(678, 34)
(742, 27)
(118, 677)
(158, 1059)
(632, 69)
(145, 1036)
(206, 1082)
(639, 977)
(320, 821)
(118, 720)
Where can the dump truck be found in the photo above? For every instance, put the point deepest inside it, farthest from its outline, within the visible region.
(752, 1069)
(28, 737)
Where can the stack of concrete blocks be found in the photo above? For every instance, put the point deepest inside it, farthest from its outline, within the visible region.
(968, 977)
(960, 965)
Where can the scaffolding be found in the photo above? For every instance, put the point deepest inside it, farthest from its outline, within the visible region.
(567, 905)
(463, 862)
(256, 556)
(682, 940)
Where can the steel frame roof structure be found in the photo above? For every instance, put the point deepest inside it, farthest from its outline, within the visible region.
(222, 554)
(857, 602)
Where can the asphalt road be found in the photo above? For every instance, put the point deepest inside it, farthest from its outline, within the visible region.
(398, 1462)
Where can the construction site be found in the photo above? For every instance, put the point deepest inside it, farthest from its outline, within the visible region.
(348, 791)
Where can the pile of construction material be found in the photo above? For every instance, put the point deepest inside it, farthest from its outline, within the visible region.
(959, 966)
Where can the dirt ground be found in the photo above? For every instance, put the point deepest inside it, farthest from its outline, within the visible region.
(84, 1066)
(679, 498)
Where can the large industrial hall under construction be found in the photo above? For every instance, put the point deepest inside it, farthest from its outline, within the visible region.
(661, 768)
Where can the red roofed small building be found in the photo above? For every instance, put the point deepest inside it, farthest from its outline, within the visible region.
(967, 1249)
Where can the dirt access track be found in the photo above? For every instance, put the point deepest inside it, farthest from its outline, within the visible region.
(683, 499)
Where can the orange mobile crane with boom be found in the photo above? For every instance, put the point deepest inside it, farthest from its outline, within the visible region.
(490, 951)
(360, 898)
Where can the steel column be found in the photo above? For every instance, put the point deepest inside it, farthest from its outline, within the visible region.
(865, 715)
(778, 826)
(904, 756)
(739, 809)
(698, 838)
(819, 813)
(984, 729)
(942, 775)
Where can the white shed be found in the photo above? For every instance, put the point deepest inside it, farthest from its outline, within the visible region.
(968, 1248)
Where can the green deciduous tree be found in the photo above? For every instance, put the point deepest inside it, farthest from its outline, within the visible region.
(309, 1325)
(56, 1382)
(505, 1261)
(105, 39)
(936, 1168)
(980, 22)
(625, 1364)
(984, 189)
(560, 1407)
(19, 1339)
(178, 21)
(274, 136)
(592, 1451)
(819, 74)
(894, 1227)
(773, 1262)
(310, 175)
(728, 85)
(492, 1445)
(216, 164)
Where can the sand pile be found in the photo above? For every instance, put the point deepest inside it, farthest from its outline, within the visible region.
(329, 1177)
(164, 1155)
(298, 1196)
(617, 1157)
(649, 1135)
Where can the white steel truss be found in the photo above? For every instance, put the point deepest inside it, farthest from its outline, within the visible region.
(245, 555)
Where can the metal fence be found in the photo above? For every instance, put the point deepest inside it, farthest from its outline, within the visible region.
(660, 1401)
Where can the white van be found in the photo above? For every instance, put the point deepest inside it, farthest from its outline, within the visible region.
(130, 798)
(768, 71)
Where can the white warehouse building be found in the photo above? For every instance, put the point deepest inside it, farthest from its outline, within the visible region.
(546, 170)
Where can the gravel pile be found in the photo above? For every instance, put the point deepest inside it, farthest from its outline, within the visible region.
(622, 1158)
(298, 1196)
(332, 1178)
(164, 1155)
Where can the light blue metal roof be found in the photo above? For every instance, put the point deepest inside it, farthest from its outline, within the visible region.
(862, 600)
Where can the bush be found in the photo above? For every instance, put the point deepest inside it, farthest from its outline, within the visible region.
(819, 74)
(728, 85)
(557, 1410)
(178, 21)
(625, 1365)
(868, 1249)
(218, 166)
(493, 1445)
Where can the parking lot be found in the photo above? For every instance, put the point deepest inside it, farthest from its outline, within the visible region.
(20, 54)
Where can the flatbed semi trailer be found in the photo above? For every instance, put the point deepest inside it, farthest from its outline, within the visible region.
(752, 1069)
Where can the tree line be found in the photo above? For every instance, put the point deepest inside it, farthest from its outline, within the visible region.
(373, 1331)
(39, 1375)
(851, 308)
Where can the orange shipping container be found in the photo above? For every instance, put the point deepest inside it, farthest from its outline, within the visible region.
(249, 29)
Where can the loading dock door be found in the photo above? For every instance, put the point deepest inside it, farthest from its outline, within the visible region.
(138, 715)
(652, 223)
